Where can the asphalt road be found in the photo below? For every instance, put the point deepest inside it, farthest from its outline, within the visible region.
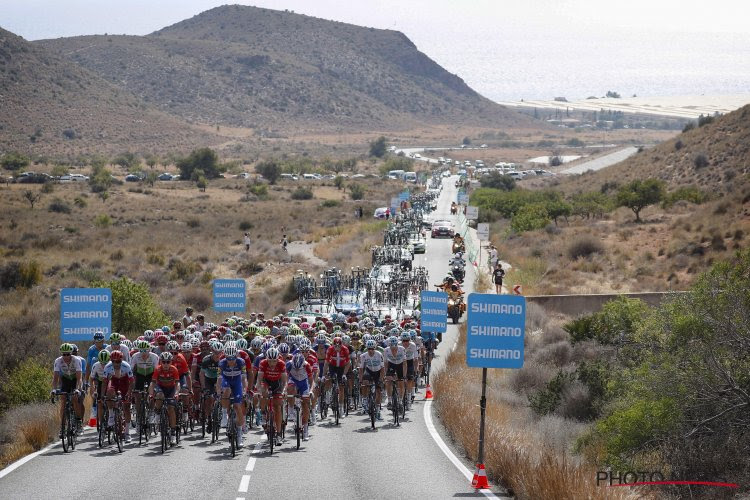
(346, 461)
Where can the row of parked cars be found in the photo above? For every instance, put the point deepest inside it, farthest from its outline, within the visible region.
(41, 178)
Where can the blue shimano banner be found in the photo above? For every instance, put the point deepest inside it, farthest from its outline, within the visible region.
(229, 295)
(83, 311)
(434, 315)
(495, 330)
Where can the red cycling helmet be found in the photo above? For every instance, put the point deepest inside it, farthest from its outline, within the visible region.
(337, 341)
(115, 356)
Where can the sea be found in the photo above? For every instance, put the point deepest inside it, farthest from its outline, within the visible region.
(518, 64)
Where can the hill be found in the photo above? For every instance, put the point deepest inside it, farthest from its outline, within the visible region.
(712, 156)
(267, 69)
(50, 105)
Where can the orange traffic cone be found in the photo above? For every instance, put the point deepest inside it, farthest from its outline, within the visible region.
(92, 421)
(480, 478)
(428, 394)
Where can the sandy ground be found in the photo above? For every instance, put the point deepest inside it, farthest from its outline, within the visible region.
(676, 106)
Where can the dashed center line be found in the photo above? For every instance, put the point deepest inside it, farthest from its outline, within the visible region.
(244, 484)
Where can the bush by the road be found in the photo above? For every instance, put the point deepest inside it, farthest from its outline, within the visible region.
(29, 382)
(302, 193)
(20, 275)
(203, 162)
(133, 308)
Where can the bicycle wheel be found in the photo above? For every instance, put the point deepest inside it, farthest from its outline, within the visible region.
(119, 429)
(335, 404)
(164, 428)
(203, 419)
(64, 430)
(371, 408)
(232, 431)
(346, 400)
(215, 421)
(141, 422)
(394, 404)
(271, 431)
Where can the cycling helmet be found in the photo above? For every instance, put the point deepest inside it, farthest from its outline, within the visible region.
(266, 346)
(298, 361)
(242, 344)
(272, 353)
(337, 341)
(392, 341)
(283, 348)
(227, 337)
(187, 347)
(337, 328)
(98, 336)
(217, 346)
(148, 335)
(321, 338)
(304, 326)
(127, 343)
(204, 345)
(172, 345)
(413, 334)
(66, 348)
(176, 325)
(347, 339)
(166, 356)
(165, 329)
(195, 341)
(230, 351)
(115, 356)
(256, 343)
(416, 314)
(75, 348)
(115, 338)
(370, 344)
(405, 336)
(103, 356)
(143, 345)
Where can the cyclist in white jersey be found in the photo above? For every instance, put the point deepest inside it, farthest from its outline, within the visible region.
(412, 355)
(98, 381)
(372, 369)
(395, 365)
(66, 381)
(143, 363)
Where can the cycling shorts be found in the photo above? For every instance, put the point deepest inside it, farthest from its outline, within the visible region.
(121, 385)
(410, 369)
(395, 370)
(274, 386)
(302, 387)
(210, 385)
(100, 388)
(336, 371)
(142, 381)
(235, 384)
(371, 376)
(183, 382)
(167, 391)
(67, 385)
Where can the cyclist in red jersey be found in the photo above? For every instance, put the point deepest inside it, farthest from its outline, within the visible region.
(337, 365)
(272, 378)
(179, 362)
(312, 359)
(165, 383)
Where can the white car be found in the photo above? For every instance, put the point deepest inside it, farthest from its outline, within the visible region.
(380, 212)
(74, 178)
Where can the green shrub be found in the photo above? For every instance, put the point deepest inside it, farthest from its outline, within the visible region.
(580, 329)
(249, 268)
(193, 223)
(29, 382)
(584, 247)
(330, 203)
(688, 193)
(246, 225)
(102, 220)
(259, 190)
(530, 217)
(302, 193)
(20, 275)
(155, 259)
(356, 191)
(80, 202)
(182, 270)
(546, 401)
(59, 206)
(133, 308)
(48, 188)
(700, 160)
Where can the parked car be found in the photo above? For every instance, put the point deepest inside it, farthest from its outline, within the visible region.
(134, 178)
(166, 176)
(243, 175)
(74, 178)
(33, 178)
(290, 177)
(380, 213)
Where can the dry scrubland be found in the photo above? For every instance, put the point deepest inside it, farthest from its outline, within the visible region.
(172, 237)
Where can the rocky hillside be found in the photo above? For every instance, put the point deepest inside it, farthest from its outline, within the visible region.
(50, 105)
(713, 156)
(267, 69)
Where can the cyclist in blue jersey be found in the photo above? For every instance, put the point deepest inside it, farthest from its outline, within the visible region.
(93, 353)
(232, 381)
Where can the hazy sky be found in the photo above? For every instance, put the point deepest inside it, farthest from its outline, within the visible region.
(36, 19)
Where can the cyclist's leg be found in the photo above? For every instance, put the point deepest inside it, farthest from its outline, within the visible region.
(291, 390)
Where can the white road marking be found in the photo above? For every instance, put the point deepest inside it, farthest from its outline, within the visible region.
(250, 464)
(18, 463)
(244, 484)
(448, 453)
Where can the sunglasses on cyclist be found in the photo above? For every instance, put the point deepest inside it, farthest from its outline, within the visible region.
(167, 361)
(66, 354)
(231, 358)
(116, 362)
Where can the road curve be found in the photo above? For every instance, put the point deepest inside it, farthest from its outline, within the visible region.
(346, 461)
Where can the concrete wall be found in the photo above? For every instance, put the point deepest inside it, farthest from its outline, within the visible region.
(574, 305)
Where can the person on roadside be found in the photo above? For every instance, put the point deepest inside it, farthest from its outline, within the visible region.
(493, 258)
(387, 213)
(360, 212)
(247, 242)
(497, 277)
(187, 320)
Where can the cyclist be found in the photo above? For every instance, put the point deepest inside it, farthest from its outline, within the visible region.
(94, 350)
(97, 382)
(179, 362)
(84, 385)
(164, 385)
(371, 367)
(232, 371)
(395, 367)
(209, 375)
(117, 345)
(272, 380)
(119, 380)
(143, 363)
(66, 380)
(412, 360)
(337, 365)
(300, 376)
(312, 359)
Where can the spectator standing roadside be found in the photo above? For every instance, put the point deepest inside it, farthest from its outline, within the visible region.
(493, 258)
(187, 320)
(360, 212)
(497, 276)
(247, 242)
(284, 243)
(387, 213)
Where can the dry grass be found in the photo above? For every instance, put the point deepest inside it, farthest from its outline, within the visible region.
(530, 457)
(26, 429)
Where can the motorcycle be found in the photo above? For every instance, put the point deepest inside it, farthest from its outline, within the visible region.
(458, 272)
(455, 309)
